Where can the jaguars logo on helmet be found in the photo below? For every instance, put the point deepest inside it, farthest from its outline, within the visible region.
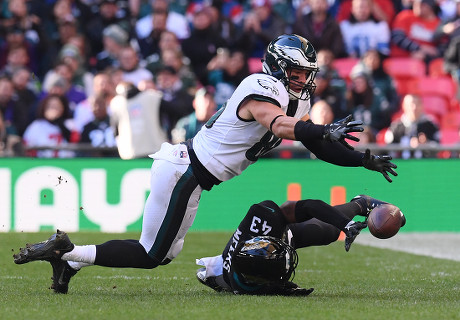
(287, 52)
(261, 261)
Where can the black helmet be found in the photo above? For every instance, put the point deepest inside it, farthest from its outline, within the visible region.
(291, 51)
(263, 260)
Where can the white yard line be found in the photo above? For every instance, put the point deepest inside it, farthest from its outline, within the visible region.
(437, 245)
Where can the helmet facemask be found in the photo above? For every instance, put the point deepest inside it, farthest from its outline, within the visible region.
(307, 88)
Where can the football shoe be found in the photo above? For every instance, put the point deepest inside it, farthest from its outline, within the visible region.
(53, 248)
(62, 273)
(371, 203)
(216, 283)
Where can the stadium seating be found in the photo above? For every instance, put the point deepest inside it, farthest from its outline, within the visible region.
(435, 105)
(344, 66)
(450, 127)
(403, 71)
(404, 67)
(436, 68)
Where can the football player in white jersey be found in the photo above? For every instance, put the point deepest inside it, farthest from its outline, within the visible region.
(264, 109)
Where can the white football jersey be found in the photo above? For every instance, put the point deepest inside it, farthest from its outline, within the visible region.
(227, 144)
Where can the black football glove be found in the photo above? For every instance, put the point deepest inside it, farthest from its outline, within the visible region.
(380, 164)
(351, 230)
(338, 131)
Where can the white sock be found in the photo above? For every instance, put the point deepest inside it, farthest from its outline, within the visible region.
(85, 254)
(78, 265)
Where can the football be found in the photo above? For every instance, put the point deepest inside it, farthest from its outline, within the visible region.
(384, 221)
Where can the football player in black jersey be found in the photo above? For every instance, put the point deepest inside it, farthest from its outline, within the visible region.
(260, 257)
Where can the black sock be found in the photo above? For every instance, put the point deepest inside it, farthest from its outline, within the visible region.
(308, 209)
(123, 254)
(352, 209)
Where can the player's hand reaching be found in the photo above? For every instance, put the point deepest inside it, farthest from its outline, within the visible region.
(351, 230)
(380, 164)
(339, 131)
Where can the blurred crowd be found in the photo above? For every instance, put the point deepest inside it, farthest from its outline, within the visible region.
(120, 77)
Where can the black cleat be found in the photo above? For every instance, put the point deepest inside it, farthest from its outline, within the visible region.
(53, 248)
(216, 283)
(370, 202)
(62, 273)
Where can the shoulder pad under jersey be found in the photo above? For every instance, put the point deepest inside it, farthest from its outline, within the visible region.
(266, 85)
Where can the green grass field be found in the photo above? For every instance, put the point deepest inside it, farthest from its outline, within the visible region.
(365, 283)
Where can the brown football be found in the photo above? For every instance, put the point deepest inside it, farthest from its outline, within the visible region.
(384, 221)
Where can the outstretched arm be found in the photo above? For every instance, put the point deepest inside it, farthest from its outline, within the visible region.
(336, 153)
(285, 127)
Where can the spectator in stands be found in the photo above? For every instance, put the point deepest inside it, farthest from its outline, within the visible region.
(226, 70)
(168, 41)
(322, 113)
(132, 71)
(381, 10)
(413, 30)
(332, 95)
(175, 22)
(81, 77)
(14, 39)
(80, 42)
(326, 64)
(150, 44)
(223, 23)
(202, 44)
(103, 87)
(361, 32)
(367, 104)
(320, 28)
(176, 59)
(25, 90)
(59, 81)
(451, 30)
(176, 102)
(261, 24)
(67, 28)
(114, 38)
(372, 64)
(52, 128)
(204, 106)
(106, 16)
(99, 132)
(17, 57)
(448, 29)
(15, 113)
(33, 33)
(413, 129)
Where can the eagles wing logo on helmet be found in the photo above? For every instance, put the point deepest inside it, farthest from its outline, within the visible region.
(268, 86)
